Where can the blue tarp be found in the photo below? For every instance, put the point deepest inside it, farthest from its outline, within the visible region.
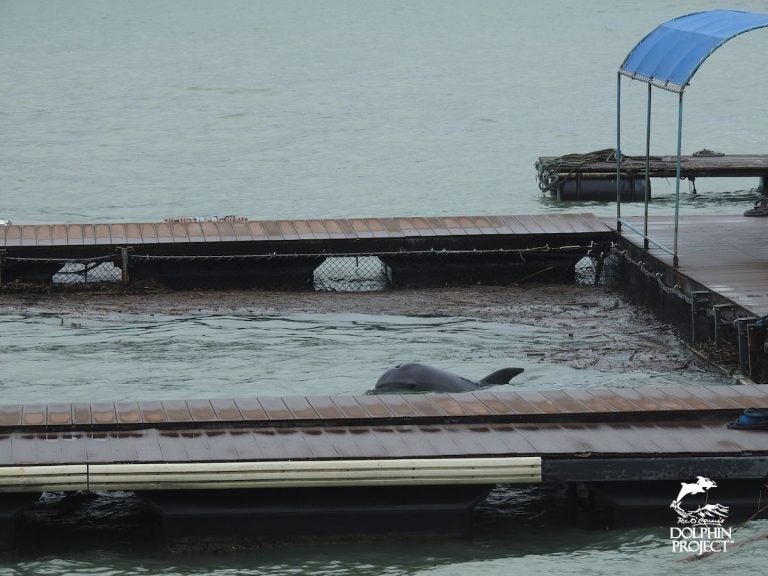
(672, 53)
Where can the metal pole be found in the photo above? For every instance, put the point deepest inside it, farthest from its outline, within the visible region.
(618, 153)
(675, 259)
(124, 263)
(647, 167)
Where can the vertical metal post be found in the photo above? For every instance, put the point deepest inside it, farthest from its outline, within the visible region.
(124, 263)
(618, 153)
(675, 259)
(646, 245)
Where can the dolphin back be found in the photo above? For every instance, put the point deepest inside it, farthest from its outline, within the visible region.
(502, 376)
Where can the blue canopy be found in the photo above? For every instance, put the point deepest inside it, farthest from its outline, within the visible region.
(671, 54)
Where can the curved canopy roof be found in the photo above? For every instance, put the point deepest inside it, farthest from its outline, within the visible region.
(671, 54)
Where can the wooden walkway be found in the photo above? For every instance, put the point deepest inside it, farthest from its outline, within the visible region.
(148, 234)
(729, 165)
(523, 436)
(726, 255)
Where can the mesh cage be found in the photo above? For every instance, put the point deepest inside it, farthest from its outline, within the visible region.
(350, 274)
(321, 272)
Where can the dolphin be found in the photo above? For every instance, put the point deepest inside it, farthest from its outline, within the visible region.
(414, 378)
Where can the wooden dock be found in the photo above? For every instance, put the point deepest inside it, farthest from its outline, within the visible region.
(235, 252)
(137, 445)
(725, 166)
(242, 460)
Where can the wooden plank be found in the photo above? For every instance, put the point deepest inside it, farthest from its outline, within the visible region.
(712, 398)
(303, 230)
(13, 235)
(564, 402)
(300, 408)
(391, 227)
(407, 227)
(288, 230)
(638, 399)
(242, 230)
(210, 232)
(102, 234)
(149, 233)
(397, 405)
(128, 412)
(225, 231)
(275, 408)
(81, 414)
(334, 229)
(176, 411)
(519, 227)
(349, 407)
(376, 227)
(374, 406)
(195, 232)
(272, 230)
(59, 233)
(11, 415)
(75, 234)
(515, 403)
(59, 414)
(44, 237)
(483, 224)
(454, 227)
(226, 410)
(29, 235)
(610, 398)
(423, 404)
(470, 226)
(589, 401)
(471, 404)
(133, 233)
(33, 414)
(201, 410)
(179, 232)
(360, 228)
(103, 413)
(251, 409)
(438, 226)
(448, 405)
(500, 225)
(324, 407)
(164, 234)
(152, 411)
(318, 229)
(492, 402)
(346, 228)
(539, 402)
(118, 234)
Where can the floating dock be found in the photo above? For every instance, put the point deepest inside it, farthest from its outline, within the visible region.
(235, 252)
(299, 460)
(719, 289)
(587, 177)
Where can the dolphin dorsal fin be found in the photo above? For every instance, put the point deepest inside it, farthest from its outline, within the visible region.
(502, 376)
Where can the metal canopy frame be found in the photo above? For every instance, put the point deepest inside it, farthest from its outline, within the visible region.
(667, 58)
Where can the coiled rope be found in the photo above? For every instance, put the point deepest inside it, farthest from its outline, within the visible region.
(551, 171)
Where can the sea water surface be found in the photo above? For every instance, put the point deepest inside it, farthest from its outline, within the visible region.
(142, 110)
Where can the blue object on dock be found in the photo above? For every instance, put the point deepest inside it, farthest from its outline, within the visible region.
(751, 419)
(672, 53)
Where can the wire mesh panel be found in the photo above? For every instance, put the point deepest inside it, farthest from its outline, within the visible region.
(87, 272)
(351, 274)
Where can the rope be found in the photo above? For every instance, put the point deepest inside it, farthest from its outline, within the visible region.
(658, 277)
(551, 170)
(404, 254)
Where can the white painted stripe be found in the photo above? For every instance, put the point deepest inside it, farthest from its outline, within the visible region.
(287, 474)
